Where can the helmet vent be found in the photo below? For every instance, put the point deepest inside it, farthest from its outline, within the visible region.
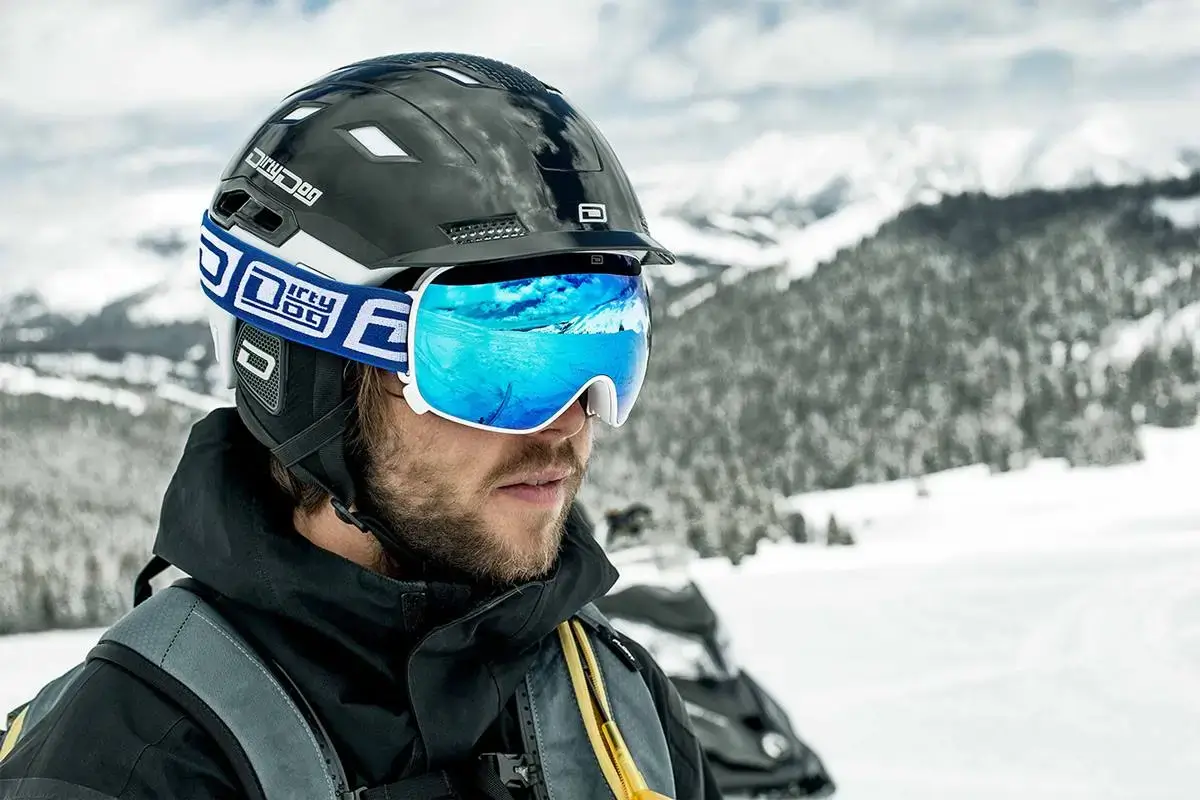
(455, 75)
(261, 217)
(231, 202)
(238, 202)
(377, 143)
(300, 112)
(485, 230)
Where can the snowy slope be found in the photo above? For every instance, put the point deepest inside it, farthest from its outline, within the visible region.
(1034, 635)
(15, 380)
(1030, 635)
(1182, 213)
(1126, 339)
(23, 380)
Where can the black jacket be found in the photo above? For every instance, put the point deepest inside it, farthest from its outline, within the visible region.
(394, 703)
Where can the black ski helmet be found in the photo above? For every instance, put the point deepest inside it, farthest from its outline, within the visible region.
(394, 163)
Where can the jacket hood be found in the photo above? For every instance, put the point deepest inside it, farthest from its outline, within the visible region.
(406, 675)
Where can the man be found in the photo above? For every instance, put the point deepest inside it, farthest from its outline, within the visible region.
(426, 281)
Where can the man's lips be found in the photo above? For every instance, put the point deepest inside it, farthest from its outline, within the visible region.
(538, 478)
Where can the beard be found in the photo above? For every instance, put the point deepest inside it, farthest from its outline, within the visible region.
(423, 510)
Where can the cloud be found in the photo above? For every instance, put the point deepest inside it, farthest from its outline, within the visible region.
(717, 110)
(85, 60)
(93, 74)
(125, 57)
(814, 47)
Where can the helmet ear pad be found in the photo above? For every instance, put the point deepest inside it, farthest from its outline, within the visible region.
(299, 403)
(302, 405)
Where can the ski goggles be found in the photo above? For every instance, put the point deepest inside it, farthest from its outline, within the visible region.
(496, 347)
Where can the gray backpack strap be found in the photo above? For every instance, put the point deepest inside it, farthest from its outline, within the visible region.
(176, 631)
(552, 723)
(632, 705)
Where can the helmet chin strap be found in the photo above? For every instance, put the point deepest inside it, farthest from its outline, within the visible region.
(415, 564)
(372, 526)
(346, 500)
(317, 454)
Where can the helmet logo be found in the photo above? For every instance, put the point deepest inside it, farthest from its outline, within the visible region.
(257, 361)
(381, 329)
(282, 177)
(272, 295)
(593, 212)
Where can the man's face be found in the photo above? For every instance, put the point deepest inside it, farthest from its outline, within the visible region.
(470, 498)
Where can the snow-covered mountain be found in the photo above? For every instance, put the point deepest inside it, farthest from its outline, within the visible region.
(792, 202)
(139, 252)
(785, 202)
(781, 173)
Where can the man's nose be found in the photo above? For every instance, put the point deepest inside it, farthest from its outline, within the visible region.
(570, 422)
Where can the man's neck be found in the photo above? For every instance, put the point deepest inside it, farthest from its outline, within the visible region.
(325, 530)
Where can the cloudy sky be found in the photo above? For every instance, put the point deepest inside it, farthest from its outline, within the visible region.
(113, 110)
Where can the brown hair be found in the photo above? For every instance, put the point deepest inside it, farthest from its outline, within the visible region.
(374, 390)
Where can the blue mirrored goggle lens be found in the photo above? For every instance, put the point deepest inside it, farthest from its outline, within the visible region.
(513, 355)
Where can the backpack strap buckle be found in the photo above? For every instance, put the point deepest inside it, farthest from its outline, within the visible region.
(513, 770)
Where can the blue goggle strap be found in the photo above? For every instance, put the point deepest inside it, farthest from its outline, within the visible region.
(360, 323)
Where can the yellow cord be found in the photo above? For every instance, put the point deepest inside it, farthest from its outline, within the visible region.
(626, 767)
(586, 703)
(615, 759)
(14, 733)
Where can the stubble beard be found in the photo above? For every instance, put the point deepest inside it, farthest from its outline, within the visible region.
(434, 522)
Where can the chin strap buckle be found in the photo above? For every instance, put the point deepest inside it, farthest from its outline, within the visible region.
(347, 516)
